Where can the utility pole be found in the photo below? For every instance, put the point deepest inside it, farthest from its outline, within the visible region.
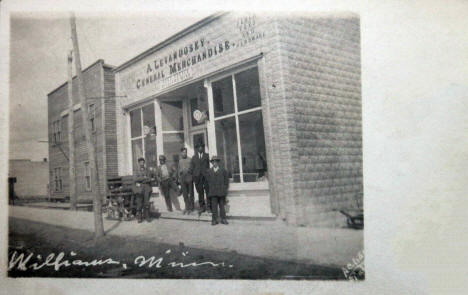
(97, 201)
(71, 139)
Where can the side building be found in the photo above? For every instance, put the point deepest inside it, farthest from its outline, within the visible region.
(30, 177)
(99, 90)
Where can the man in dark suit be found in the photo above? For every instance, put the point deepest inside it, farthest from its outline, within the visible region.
(199, 165)
(218, 182)
(142, 181)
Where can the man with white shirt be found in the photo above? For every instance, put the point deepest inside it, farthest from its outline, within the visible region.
(165, 178)
(185, 179)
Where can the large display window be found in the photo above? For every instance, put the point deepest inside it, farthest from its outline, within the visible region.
(172, 130)
(143, 135)
(240, 140)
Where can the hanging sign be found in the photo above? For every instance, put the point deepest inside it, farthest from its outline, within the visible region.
(199, 116)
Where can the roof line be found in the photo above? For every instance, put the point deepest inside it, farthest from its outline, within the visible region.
(87, 68)
(171, 39)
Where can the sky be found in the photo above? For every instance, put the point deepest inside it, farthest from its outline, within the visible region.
(38, 60)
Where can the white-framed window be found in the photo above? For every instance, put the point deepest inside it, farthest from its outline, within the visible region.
(172, 130)
(143, 135)
(87, 176)
(92, 115)
(238, 120)
(57, 131)
(58, 179)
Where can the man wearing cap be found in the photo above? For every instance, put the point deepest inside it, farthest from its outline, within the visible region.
(142, 189)
(165, 178)
(200, 164)
(218, 183)
(184, 176)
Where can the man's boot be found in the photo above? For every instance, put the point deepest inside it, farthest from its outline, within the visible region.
(139, 217)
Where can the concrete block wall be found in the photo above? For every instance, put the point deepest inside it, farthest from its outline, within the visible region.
(323, 82)
(311, 104)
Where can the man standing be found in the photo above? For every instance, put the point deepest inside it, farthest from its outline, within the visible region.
(185, 180)
(165, 179)
(218, 182)
(199, 165)
(142, 189)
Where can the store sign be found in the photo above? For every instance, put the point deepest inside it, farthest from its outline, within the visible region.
(199, 116)
(173, 66)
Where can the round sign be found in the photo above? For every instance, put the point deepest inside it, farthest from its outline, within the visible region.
(198, 115)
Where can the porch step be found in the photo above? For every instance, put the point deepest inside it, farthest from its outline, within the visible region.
(255, 207)
(194, 216)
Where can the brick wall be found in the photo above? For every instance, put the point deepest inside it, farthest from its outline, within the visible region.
(323, 82)
(94, 78)
(110, 123)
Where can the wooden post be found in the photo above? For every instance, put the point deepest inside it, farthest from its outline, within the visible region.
(71, 139)
(97, 201)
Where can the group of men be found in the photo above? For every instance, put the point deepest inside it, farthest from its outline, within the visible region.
(189, 172)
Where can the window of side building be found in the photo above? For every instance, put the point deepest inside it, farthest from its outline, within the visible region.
(87, 176)
(92, 114)
(240, 139)
(58, 179)
(56, 131)
(143, 135)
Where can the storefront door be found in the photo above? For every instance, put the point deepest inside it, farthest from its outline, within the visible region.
(200, 136)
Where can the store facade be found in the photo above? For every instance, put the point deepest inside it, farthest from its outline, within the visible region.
(229, 82)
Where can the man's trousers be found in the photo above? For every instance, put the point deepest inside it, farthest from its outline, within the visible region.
(187, 191)
(215, 202)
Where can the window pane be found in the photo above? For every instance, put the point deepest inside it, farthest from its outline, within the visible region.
(172, 143)
(223, 99)
(193, 107)
(254, 165)
(172, 116)
(148, 119)
(247, 90)
(226, 143)
(137, 152)
(150, 151)
(135, 122)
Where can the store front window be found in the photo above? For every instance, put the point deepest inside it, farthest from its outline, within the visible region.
(172, 130)
(240, 139)
(143, 135)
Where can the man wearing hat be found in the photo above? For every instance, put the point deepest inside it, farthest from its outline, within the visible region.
(142, 189)
(199, 165)
(218, 183)
(165, 178)
(184, 176)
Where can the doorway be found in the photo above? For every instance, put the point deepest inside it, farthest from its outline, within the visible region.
(199, 136)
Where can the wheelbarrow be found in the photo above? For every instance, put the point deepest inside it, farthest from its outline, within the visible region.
(354, 218)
